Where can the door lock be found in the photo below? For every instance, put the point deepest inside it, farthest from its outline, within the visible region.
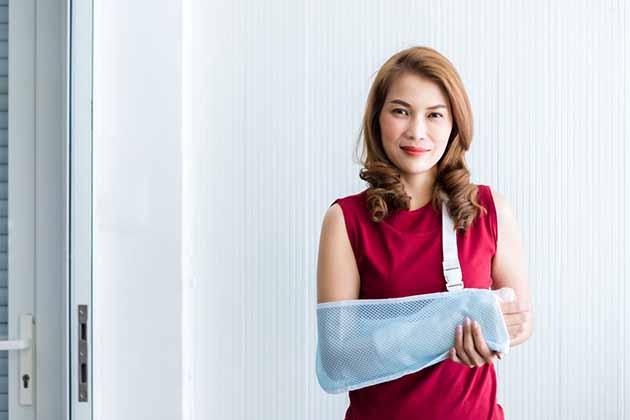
(83, 353)
(25, 346)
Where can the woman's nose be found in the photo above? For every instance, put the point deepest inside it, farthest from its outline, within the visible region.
(417, 129)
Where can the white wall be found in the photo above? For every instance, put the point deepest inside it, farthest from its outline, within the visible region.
(137, 210)
(276, 96)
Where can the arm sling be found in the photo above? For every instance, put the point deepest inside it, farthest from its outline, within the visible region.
(363, 342)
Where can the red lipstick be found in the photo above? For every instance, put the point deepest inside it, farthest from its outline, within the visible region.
(414, 151)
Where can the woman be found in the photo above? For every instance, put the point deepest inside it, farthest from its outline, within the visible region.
(385, 242)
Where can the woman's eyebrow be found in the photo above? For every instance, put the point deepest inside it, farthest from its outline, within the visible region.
(401, 102)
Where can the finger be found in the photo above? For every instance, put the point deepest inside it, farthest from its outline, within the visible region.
(469, 344)
(480, 343)
(482, 353)
(519, 318)
(515, 330)
(459, 346)
(515, 307)
(452, 354)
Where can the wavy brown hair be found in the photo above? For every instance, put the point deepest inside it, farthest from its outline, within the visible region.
(386, 192)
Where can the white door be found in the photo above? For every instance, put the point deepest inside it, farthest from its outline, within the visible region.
(17, 212)
(33, 356)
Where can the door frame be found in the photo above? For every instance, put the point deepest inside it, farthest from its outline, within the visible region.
(80, 158)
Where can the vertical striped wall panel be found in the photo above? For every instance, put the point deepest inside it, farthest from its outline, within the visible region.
(275, 101)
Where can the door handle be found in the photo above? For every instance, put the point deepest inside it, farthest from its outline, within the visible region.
(25, 345)
(14, 344)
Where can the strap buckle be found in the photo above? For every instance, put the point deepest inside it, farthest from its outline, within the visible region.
(453, 277)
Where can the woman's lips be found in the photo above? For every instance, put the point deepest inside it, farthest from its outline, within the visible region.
(414, 151)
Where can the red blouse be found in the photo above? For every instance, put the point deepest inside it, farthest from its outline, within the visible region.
(402, 256)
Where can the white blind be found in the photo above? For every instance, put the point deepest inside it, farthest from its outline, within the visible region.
(4, 172)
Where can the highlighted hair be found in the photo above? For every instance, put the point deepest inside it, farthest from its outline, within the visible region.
(386, 192)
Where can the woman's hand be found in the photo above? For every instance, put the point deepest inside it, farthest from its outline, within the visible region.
(470, 346)
(519, 321)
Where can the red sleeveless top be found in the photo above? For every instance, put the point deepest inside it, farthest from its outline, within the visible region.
(402, 256)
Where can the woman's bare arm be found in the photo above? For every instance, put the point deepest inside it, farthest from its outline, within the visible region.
(509, 268)
(337, 272)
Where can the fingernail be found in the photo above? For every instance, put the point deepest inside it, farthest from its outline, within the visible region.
(466, 321)
(476, 324)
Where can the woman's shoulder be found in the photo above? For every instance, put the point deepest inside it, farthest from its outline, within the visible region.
(351, 201)
(353, 211)
(491, 196)
(485, 195)
(500, 205)
(495, 203)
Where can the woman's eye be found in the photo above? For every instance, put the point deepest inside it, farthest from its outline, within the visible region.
(405, 112)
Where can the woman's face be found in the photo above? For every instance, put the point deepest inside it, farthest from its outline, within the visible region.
(414, 115)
